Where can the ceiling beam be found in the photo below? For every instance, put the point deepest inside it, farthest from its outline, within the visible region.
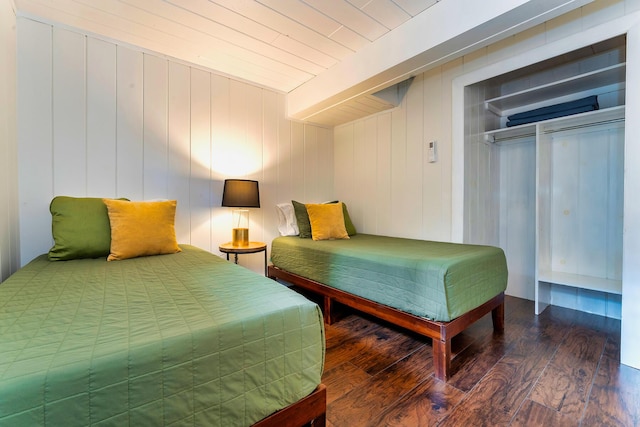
(443, 32)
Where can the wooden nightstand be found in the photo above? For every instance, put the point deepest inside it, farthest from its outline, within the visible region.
(251, 248)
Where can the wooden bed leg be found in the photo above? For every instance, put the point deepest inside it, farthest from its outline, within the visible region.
(497, 316)
(328, 318)
(442, 359)
(321, 421)
(310, 410)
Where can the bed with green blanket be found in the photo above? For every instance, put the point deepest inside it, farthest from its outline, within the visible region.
(179, 339)
(434, 288)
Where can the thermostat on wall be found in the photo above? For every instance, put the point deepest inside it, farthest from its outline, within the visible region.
(432, 151)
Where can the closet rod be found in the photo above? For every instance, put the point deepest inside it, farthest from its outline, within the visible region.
(495, 140)
(585, 125)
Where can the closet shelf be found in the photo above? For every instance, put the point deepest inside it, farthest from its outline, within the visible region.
(580, 83)
(591, 118)
(580, 281)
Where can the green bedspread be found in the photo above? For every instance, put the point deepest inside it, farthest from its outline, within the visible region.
(181, 339)
(436, 280)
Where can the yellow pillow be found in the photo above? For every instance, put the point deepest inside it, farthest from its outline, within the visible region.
(141, 228)
(327, 221)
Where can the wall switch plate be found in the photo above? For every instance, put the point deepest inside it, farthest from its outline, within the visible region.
(432, 151)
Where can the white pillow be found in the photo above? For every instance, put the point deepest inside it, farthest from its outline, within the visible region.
(287, 223)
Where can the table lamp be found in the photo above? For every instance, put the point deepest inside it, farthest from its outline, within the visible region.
(240, 193)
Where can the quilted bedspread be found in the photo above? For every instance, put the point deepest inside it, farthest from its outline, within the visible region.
(180, 339)
(436, 280)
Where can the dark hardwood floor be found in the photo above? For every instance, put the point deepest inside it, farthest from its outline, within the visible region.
(557, 369)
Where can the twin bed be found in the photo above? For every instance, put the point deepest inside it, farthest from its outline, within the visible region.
(178, 339)
(435, 289)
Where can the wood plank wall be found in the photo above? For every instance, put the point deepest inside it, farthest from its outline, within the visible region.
(104, 120)
(381, 163)
(8, 150)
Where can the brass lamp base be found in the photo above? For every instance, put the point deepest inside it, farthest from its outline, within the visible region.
(240, 237)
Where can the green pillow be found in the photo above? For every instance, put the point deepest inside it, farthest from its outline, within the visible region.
(80, 228)
(348, 224)
(304, 225)
(302, 217)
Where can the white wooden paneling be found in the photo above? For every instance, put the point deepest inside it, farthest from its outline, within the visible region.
(299, 192)
(343, 169)
(585, 206)
(601, 12)
(35, 143)
(311, 166)
(412, 191)
(399, 174)
(355, 184)
(129, 123)
(200, 194)
(148, 127)
(432, 172)
(325, 141)
(204, 17)
(630, 345)
(445, 147)
(179, 146)
(517, 214)
(221, 167)
(257, 12)
(344, 13)
(155, 151)
(303, 14)
(254, 146)
(9, 223)
(221, 131)
(101, 118)
(271, 108)
(594, 302)
(383, 176)
(387, 13)
(414, 6)
(366, 178)
(69, 120)
(284, 163)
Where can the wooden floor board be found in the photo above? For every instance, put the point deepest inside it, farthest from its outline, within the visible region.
(363, 404)
(557, 369)
(532, 414)
(342, 379)
(425, 405)
(615, 396)
(473, 364)
(567, 379)
(499, 394)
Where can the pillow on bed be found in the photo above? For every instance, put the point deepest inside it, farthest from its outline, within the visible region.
(327, 221)
(141, 228)
(302, 218)
(80, 228)
(287, 222)
(348, 224)
(304, 226)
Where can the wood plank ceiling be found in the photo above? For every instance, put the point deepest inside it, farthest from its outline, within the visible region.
(276, 44)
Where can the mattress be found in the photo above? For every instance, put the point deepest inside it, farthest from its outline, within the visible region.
(436, 280)
(186, 338)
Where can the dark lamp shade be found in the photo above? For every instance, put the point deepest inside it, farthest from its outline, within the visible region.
(241, 193)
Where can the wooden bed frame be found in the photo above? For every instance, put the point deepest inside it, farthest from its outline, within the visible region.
(308, 411)
(440, 332)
